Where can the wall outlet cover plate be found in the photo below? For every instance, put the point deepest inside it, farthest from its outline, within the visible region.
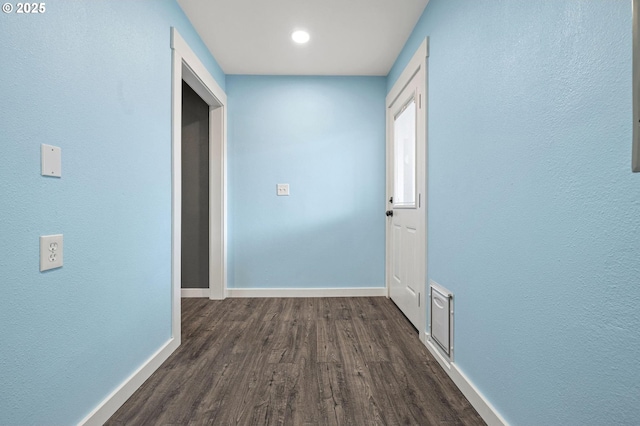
(50, 252)
(282, 189)
(51, 162)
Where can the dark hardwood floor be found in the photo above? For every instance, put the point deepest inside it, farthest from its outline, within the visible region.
(320, 361)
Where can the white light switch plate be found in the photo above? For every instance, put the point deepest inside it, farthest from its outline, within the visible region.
(51, 160)
(283, 189)
(50, 252)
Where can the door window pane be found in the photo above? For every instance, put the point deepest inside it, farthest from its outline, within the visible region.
(404, 145)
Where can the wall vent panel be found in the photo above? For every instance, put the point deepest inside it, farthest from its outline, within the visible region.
(441, 318)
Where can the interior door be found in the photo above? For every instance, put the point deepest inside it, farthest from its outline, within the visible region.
(406, 257)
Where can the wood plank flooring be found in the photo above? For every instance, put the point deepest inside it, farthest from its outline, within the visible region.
(315, 361)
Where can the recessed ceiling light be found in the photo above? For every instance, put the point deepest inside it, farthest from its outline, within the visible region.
(300, 36)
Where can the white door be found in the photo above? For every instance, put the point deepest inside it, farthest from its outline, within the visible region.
(406, 245)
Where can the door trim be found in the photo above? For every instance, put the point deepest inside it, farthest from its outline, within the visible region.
(417, 62)
(187, 66)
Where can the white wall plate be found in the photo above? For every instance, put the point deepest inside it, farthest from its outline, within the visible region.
(282, 189)
(50, 252)
(51, 160)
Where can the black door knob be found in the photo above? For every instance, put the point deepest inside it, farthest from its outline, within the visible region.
(389, 213)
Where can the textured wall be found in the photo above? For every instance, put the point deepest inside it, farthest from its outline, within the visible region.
(325, 137)
(534, 214)
(94, 79)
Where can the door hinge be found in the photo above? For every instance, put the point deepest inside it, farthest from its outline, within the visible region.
(418, 300)
(419, 200)
(420, 101)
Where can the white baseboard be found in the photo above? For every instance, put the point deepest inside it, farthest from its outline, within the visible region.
(195, 292)
(487, 411)
(118, 397)
(307, 292)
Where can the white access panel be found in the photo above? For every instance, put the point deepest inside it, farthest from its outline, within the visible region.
(441, 318)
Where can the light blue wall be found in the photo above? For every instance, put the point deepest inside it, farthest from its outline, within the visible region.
(325, 137)
(93, 78)
(534, 214)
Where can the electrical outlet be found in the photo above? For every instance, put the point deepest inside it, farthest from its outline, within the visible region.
(283, 189)
(50, 252)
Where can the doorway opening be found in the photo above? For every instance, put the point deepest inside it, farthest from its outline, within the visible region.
(198, 182)
(195, 192)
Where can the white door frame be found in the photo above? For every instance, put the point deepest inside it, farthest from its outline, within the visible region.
(186, 66)
(418, 61)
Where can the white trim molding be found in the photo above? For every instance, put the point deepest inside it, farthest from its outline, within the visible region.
(417, 61)
(482, 405)
(195, 293)
(119, 396)
(200, 72)
(308, 292)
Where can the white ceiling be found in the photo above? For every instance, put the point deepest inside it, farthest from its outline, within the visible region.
(348, 37)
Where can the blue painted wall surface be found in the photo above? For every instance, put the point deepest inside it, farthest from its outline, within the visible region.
(325, 137)
(534, 214)
(94, 79)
